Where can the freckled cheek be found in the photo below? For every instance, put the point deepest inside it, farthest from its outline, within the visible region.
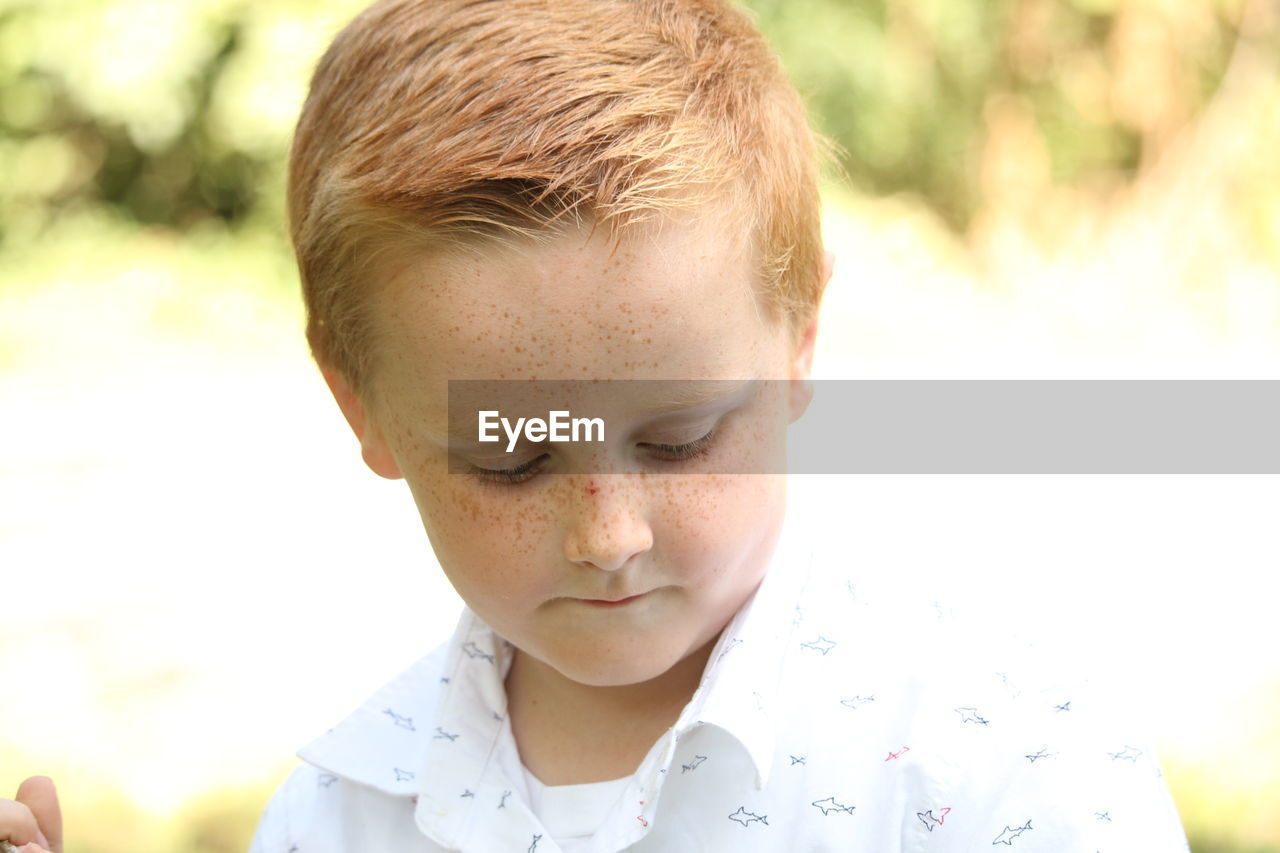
(488, 544)
(708, 521)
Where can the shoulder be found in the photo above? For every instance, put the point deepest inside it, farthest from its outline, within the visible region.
(291, 808)
(977, 735)
(1036, 753)
(1064, 765)
(364, 764)
(320, 812)
(383, 739)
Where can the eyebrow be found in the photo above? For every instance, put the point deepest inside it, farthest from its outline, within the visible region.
(686, 396)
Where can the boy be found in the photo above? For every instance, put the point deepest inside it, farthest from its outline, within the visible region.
(618, 190)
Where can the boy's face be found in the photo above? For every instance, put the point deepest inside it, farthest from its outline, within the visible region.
(538, 560)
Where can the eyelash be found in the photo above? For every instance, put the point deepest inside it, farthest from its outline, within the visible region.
(529, 470)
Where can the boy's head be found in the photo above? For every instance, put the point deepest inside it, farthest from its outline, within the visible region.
(583, 189)
(457, 122)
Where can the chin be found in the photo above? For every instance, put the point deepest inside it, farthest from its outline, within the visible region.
(607, 671)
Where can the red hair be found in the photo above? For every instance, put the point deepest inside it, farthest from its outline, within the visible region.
(438, 122)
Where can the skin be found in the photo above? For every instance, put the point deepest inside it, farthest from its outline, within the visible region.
(590, 688)
(32, 821)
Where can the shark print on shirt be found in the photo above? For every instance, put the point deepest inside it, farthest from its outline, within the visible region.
(1008, 834)
(830, 805)
(747, 818)
(929, 821)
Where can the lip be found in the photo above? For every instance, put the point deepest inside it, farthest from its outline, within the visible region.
(615, 602)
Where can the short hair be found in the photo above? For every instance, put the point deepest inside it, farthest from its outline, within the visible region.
(444, 122)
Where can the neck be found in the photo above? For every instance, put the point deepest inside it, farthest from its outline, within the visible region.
(570, 733)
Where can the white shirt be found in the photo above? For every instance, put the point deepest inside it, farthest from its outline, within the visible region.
(573, 813)
(822, 722)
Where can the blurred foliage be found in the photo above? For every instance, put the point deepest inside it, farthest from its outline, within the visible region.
(913, 89)
(99, 818)
(179, 113)
(160, 113)
(221, 821)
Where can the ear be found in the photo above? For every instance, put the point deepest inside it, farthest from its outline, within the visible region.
(373, 445)
(802, 355)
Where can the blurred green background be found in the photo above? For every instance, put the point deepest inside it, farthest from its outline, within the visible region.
(1012, 148)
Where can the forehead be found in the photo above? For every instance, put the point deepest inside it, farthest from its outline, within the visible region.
(677, 302)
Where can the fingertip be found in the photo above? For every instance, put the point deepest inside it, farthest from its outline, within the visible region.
(39, 794)
(41, 782)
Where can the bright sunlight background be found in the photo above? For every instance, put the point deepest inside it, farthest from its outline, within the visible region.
(199, 576)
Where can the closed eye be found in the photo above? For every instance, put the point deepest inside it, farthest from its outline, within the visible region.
(528, 470)
(677, 452)
(508, 476)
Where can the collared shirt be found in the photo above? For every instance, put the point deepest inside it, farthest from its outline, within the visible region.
(823, 721)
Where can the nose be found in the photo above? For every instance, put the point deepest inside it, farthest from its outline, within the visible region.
(609, 525)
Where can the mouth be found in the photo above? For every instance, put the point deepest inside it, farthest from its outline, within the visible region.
(612, 602)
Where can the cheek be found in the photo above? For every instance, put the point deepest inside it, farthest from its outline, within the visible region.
(481, 541)
(717, 520)
(713, 521)
(483, 537)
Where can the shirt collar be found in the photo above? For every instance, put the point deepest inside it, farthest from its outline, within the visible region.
(382, 743)
(429, 734)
